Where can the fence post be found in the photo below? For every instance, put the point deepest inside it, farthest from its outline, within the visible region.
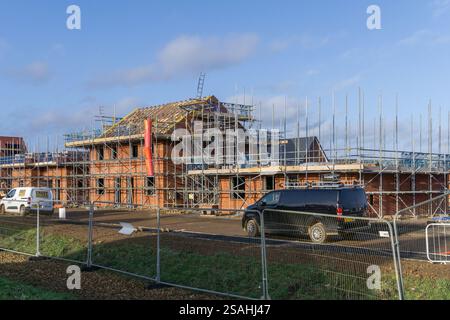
(38, 232)
(158, 245)
(265, 282)
(396, 248)
(90, 236)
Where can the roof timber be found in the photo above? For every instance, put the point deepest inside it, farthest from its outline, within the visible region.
(166, 117)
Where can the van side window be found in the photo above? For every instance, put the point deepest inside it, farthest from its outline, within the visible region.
(323, 197)
(272, 198)
(42, 194)
(353, 198)
(294, 198)
(22, 193)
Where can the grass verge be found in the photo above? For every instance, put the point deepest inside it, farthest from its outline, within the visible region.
(12, 290)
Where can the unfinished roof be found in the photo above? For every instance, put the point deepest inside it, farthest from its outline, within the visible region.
(166, 116)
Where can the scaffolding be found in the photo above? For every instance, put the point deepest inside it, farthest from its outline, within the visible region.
(107, 165)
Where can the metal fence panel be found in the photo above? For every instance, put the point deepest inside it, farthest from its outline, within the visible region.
(199, 251)
(437, 242)
(416, 246)
(410, 224)
(124, 240)
(208, 250)
(18, 234)
(64, 239)
(356, 261)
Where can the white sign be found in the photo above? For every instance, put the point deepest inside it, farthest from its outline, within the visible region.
(127, 229)
(384, 234)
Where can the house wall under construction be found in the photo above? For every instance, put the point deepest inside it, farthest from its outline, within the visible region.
(62, 172)
(237, 191)
(118, 174)
(108, 166)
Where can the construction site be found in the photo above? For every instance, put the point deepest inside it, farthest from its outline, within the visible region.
(109, 165)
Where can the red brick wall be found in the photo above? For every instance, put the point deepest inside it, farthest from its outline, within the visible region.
(255, 189)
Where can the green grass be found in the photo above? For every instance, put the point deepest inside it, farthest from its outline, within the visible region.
(50, 245)
(238, 275)
(427, 289)
(11, 290)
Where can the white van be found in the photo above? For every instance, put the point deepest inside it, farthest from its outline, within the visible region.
(26, 200)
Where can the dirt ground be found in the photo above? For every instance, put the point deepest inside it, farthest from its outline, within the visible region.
(99, 285)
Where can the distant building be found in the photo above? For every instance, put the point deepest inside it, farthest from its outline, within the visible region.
(11, 146)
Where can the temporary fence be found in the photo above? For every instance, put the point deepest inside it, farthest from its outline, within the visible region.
(318, 256)
(19, 235)
(201, 251)
(64, 239)
(207, 250)
(410, 225)
(124, 241)
(437, 242)
(420, 235)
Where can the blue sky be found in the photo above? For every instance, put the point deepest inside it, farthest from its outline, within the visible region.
(140, 53)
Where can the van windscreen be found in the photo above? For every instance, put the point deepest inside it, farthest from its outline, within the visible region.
(353, 199)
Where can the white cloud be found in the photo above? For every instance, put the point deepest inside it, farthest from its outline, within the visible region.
(35, 73)
(312, 72)
(38, 122)
(440, 7)
(416, 38)
(441, 39)
(189, 53)
(186, 54)
(304, 41)
(57, 48)
(425, 37)
(346, 83)
(124, 106)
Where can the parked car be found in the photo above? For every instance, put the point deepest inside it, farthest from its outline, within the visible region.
(26, 200)
(330, 212)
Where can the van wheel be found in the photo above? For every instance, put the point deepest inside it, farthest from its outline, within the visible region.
(23, 212)
(317, 233)
(252, 228)
(2, 209)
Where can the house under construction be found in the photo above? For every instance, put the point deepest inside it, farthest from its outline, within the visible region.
(110, 166)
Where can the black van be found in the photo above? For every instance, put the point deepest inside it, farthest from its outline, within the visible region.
(340, 203)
